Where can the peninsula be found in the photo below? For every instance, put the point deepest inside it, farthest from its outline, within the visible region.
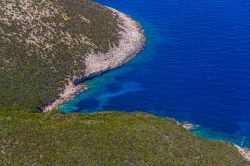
(48, 47)
(131, 42)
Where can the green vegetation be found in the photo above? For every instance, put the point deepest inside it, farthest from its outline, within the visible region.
(107, 138)
(43, 45)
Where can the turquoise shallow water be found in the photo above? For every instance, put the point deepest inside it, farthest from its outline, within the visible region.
(195, 67)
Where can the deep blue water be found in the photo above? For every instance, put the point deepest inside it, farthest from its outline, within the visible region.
(195, 67)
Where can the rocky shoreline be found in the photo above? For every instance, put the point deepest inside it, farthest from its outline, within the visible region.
(70, 91)
(244, 152)
(132, 41)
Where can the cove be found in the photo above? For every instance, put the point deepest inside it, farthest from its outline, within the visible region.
(195, 67)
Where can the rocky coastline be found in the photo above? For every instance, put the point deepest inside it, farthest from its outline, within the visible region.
(132, 41)
(70, 91)
(244, 152)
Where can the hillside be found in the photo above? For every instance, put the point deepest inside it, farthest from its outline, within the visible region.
(47, 48)
(44, 46)
(106, 139)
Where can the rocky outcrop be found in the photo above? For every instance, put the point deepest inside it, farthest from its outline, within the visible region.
(189, 126)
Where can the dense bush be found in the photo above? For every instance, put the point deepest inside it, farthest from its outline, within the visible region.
(106, 139)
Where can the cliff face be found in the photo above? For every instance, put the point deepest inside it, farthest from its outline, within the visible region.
(47, 44)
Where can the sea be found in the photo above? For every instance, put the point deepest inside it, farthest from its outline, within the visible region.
(195, 67)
